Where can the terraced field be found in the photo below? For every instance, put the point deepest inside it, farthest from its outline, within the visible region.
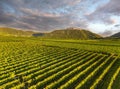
(32, 65)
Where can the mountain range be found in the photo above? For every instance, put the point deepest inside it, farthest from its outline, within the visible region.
(68, 33)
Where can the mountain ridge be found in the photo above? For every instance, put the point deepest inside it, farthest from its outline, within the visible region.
(68, 33)
(116, 35)
(4, 31)
(72, 33)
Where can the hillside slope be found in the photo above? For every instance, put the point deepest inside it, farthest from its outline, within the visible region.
(72, 34)
(117, 35)
(14, 32)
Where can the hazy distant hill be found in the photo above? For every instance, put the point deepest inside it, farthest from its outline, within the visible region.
(72, 33)
(117, 35)
(14, 32)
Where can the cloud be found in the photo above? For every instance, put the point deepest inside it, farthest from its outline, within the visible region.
(47, 15)
(104, 13)
(106, 33)
(112, 7)
(117, 25)
(38, 14)
(109, 32)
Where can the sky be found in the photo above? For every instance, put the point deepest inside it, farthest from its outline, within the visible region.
(98, 16)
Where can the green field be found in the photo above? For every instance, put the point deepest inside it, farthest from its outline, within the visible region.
(35, 63)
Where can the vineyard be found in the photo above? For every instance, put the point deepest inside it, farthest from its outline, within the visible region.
(37, 64)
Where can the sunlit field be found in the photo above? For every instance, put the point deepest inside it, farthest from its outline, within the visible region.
(34, 63)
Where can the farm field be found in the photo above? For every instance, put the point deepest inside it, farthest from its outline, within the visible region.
(34, 63)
